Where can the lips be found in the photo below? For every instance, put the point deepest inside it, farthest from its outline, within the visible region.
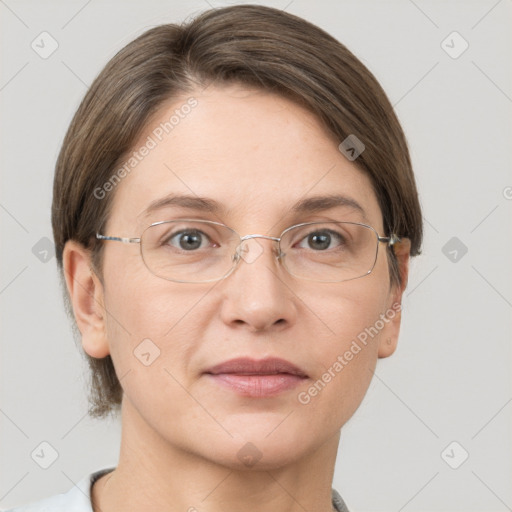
(256, 378)
(247, 366)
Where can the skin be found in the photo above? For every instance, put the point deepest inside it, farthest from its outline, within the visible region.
(256, 153)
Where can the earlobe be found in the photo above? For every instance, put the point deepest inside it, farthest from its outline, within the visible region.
(389, 338)
(86, 294)
(387, 347)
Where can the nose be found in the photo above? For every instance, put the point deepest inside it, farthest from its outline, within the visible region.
(257, 293)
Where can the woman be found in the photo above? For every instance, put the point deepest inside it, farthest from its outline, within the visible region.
(234, 211)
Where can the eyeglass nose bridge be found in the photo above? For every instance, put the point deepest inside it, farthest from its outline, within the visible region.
(247, 237)
(251, 258)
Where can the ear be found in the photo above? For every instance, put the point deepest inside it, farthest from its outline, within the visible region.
(86, 295)
(389, 336)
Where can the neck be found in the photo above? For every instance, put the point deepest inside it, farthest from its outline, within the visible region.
(153, 474)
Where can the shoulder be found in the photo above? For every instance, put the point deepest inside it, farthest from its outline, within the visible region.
(77, 499)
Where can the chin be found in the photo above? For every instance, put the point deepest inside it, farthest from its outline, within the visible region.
(255, 447)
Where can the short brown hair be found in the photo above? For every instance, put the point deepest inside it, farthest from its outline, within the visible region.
(249, 44)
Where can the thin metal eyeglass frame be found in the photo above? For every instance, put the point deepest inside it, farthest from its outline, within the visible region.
(391, 240)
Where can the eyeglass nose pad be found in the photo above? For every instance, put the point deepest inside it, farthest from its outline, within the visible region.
(249, 250)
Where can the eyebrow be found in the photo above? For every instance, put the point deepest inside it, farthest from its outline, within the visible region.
(313, 204)
(201, 204)
(321, 203)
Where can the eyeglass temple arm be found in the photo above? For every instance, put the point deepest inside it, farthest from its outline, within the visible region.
(391, 240)
(118, 239)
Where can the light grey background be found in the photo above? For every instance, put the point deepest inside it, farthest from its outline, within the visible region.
(450, 379)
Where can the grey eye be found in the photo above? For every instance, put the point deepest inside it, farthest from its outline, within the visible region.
(321, 240)
(187, 239)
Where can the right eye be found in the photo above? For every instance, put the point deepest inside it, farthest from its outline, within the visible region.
(187, 239)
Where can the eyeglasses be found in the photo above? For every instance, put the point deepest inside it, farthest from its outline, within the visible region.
(201, 251)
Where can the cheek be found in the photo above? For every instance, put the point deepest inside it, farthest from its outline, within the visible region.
(143, 313)
(140, 304)
(345, 358)
(348, 309)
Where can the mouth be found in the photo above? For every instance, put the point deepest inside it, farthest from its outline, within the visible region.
(257, 378)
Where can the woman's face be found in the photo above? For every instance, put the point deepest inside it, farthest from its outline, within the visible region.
(256, 155)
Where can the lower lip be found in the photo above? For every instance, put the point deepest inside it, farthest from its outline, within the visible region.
(257, 386)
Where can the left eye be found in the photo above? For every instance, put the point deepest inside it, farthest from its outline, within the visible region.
(321, 240)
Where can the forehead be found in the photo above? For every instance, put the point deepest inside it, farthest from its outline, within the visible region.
(246, 153)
